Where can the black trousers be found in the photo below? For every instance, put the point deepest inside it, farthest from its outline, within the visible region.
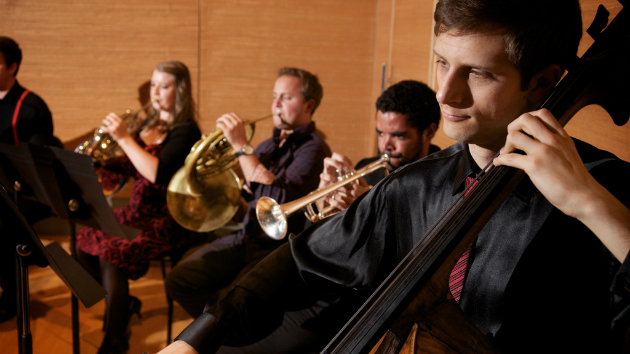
(290, 338)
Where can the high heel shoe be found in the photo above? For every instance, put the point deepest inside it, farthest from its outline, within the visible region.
(134, 308)
(115, 341)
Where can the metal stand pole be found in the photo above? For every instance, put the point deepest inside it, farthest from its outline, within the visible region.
(25, 339)
(73, 206)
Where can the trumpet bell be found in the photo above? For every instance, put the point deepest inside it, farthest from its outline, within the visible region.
(207, 209)
(271, 217)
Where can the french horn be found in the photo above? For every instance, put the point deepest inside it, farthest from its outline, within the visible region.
(205, 193)
(103, 149)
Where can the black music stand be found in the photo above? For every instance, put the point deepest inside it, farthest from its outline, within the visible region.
(66, 183)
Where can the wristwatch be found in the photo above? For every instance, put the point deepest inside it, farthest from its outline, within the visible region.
(245, 150)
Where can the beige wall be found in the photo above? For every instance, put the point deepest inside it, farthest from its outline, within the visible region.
(244, 43)
(87, 58)
(403, 43)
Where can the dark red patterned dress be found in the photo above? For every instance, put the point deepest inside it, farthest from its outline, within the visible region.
(147, 211)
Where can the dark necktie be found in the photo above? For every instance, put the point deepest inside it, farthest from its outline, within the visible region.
(458, 274)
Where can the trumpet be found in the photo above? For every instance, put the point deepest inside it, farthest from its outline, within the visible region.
(273, 217)
(205, 193)
(102, 148)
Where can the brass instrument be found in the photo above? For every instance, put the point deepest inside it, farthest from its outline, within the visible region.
(102, 148)
(273, 217)
(205, 193)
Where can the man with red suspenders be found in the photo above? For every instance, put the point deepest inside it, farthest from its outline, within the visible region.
(23, 114)
(24, 117)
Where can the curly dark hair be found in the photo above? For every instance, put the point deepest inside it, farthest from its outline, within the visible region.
(414, 99)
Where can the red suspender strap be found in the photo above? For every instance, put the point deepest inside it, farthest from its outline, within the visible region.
(15, 117)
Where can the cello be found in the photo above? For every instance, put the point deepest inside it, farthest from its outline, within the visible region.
(415, 296)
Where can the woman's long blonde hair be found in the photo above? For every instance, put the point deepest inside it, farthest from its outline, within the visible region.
(184, 109)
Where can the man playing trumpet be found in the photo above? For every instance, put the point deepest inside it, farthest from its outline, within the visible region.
(283, 167)
(406, 120)
(407, 117)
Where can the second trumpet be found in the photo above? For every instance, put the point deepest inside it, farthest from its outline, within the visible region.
(273, 216)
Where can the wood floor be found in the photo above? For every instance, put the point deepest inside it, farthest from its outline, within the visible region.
(51, 318)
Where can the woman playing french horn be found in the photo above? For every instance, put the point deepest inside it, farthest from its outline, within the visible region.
(151, 158)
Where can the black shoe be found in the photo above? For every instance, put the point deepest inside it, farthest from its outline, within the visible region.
(134, 307)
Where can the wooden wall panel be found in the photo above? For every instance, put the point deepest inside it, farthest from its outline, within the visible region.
(88, 58)
(245, 42)
(384, 21)
(412, 34)
(404, 33)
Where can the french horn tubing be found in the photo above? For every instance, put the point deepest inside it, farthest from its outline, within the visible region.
(273, 216)
(102, 148)
(205, 193)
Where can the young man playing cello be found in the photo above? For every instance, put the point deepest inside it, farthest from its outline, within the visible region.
(536, 279)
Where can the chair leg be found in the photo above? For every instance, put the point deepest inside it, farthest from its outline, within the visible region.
(169, 301)
(173, 259)
(169, 325)
(163, 264)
